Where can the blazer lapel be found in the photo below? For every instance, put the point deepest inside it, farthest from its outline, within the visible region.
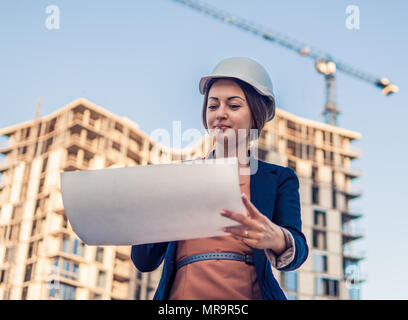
(262, 186)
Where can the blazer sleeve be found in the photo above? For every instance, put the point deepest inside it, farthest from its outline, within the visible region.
(287, 214)
(148, 257)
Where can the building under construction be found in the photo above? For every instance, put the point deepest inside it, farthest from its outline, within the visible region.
(42, 258)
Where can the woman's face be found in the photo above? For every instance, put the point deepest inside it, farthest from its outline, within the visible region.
(227, 105)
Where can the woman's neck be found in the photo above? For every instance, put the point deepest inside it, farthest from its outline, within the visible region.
(243, 159)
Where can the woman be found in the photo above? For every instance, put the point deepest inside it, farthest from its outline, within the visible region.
(237, 95)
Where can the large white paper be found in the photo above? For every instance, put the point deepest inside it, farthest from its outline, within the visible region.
(152, 203)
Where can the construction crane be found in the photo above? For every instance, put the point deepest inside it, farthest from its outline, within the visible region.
(324, 62)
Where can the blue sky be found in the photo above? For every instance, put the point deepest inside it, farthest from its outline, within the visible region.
(143, 60)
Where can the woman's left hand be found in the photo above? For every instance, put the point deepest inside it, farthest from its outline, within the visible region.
(256, 230)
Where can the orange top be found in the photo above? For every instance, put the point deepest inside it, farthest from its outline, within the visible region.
(216, 279)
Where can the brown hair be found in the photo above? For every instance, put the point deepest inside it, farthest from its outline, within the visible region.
(259, 105)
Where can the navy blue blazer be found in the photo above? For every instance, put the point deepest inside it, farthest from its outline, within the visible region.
(275, 192)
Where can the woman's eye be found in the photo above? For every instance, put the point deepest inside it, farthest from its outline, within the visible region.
(235, 106)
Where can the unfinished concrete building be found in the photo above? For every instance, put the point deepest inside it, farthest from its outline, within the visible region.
(42, 258)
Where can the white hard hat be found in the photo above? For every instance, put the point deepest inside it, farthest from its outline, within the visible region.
(247, 70)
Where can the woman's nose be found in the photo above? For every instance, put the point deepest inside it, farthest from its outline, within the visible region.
(221, 112)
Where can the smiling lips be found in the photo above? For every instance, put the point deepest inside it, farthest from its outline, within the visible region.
(222, 127)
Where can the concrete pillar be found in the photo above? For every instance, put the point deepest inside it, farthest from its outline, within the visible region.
(82, 137)
(87, 115)
(80, 157)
